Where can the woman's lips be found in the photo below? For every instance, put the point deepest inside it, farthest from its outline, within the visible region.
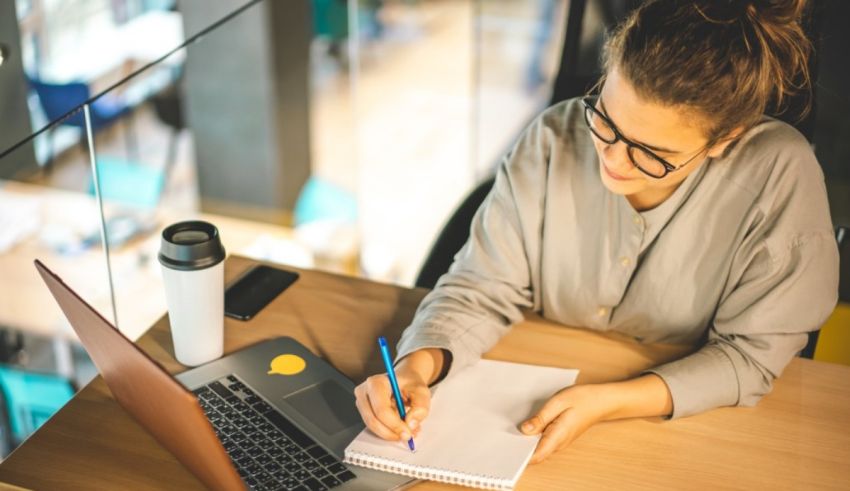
(614, 175)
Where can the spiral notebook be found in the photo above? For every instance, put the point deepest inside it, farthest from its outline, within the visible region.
(471, 435)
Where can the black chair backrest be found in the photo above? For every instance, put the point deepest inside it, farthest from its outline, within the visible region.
(454, 234)
(841, 234)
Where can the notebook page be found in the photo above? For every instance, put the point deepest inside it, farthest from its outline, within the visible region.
(472, 427)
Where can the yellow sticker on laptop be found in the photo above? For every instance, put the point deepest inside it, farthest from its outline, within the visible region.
(287, 365)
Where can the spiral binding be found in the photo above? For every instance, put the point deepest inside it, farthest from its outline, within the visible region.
(429, 473)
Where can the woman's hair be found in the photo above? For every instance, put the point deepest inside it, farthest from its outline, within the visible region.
(729, 60)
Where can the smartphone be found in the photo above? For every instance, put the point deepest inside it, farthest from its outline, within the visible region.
(254, 290)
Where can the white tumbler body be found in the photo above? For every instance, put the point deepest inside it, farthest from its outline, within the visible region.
(195, 302)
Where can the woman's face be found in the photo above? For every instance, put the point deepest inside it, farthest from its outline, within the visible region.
(671, 132)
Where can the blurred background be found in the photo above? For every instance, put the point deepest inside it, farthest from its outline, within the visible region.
(354, 136)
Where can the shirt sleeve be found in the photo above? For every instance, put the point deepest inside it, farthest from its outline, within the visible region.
(783, 293)
(489, 283)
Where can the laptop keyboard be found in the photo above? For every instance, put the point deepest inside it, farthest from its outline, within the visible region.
(269, 451)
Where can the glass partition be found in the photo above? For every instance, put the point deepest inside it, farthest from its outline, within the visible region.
(313, 133)
(50, 190)
(254, 135)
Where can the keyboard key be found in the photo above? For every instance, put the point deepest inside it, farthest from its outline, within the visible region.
(311, 465)
(263, 459)
(253, 399)
(252, 469)
(263, 477)
(266, 428)
(275, 452)
(290, 482)
(301, 457)
(232, 378)
(292, 466)
(255, 452)
(281, 475)
(265, 444)
(262, 407)
(272, 466)
(328, 460)
(289, 429)
(319, 472)
(236, 454)
(302, 474)
(346, 476)
(202, 392)
(337, 468)
(279, 437)
(317, 452)
(220, 389)
(313, 484)
(331, 481)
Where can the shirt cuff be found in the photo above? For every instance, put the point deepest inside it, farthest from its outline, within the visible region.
(701, 381)
(422, 338)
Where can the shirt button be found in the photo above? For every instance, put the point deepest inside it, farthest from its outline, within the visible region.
(625, 261)
(638, 220)
(602, 312)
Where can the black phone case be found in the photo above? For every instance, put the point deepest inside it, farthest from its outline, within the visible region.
(249, 294)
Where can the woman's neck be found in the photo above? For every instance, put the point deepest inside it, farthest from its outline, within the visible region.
(650, 198)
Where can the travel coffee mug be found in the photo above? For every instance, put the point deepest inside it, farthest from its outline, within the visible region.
(192, 259)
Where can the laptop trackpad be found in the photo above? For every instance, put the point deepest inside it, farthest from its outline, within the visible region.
(327, 405)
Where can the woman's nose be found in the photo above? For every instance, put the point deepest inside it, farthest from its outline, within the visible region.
(617, 157)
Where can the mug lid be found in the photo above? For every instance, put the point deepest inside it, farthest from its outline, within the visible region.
(191, 245)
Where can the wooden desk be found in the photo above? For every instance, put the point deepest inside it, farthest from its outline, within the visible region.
(797, 437)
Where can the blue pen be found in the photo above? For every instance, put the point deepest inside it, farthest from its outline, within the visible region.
(399, 402)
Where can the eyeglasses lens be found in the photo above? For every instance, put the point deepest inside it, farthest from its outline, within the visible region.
(647, 162)
(599, 127)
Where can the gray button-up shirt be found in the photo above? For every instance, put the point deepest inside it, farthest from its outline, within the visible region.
(741, 259)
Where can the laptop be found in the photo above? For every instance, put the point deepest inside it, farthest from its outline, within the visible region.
(272, 416)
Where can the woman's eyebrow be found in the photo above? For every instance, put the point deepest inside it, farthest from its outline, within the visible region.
(651, 147)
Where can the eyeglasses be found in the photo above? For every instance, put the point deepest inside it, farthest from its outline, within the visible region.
(643, 158)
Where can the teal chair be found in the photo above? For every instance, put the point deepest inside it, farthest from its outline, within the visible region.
(28, 400)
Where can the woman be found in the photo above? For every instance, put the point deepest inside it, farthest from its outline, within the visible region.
(667, 208)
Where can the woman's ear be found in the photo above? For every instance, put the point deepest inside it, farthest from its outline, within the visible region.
(718, 148)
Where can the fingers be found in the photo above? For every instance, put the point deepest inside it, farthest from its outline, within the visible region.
(376, 404)
(558, 434)
(419, 399)
(372, 421)
(537, 423)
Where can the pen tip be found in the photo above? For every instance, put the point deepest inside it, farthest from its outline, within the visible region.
(410, 444)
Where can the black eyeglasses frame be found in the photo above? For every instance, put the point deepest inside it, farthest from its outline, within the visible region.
(589, 103)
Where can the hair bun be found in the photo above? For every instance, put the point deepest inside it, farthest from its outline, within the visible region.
(773, 11)
(759, 11)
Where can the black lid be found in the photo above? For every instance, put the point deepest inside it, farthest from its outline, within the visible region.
(190, 245)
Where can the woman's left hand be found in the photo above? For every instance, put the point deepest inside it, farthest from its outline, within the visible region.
(565, 416)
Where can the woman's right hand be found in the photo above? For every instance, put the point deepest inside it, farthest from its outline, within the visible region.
(376, 403)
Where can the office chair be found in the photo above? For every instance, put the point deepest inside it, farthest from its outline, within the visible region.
(58, 98)
(841, 234)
